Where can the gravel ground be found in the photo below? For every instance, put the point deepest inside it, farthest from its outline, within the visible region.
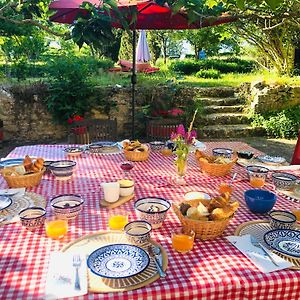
(275, 147)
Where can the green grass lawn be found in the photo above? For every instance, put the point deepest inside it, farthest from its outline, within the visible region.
(165, 77)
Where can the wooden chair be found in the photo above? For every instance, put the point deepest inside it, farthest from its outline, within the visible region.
(88, 131)
(296, 155)
(161, 129)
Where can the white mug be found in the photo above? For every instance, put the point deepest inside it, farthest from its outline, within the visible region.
(111, 191)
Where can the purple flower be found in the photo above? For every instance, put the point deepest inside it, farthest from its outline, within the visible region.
(190, 136)
(174, 136)
(181, 130)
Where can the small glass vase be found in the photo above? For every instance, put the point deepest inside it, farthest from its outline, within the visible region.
(181, 167)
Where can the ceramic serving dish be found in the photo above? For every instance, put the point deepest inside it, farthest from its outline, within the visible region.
(138, 232)
(281, 219)
(67, 206)
(73, 151)
(153, 210)
(224, 152)
(62, 169)
(126, 187)
(32, 217)
(118, 261)
(267, 159)
(260, 201)
(284, 181)
(285, 241)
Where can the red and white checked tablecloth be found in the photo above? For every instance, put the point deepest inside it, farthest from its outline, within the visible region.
(212, 270)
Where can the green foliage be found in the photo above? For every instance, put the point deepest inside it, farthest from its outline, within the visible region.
(210, 73)
(20, 69)
(228, 65)
(126, 46)
(187, 66)
(283, 124)
(70, 92)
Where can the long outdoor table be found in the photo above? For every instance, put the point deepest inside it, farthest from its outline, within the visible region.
(212, 270)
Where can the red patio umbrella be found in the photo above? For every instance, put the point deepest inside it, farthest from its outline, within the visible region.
(150, 15)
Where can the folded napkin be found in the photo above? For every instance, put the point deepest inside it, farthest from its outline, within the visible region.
(60, 282)
(257, 255)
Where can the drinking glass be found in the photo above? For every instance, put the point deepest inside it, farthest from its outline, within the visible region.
(183, 240)
(55, 227)
(126, 166)
(257, 176)
(296, 211)
(117, 218)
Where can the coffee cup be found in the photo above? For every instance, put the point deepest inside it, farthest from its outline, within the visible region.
(111, 191)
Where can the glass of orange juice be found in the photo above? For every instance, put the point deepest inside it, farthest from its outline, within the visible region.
(296, 211)
(55, 227)
(117, 219)
(183, 240)
(257, 176)
(225, 188)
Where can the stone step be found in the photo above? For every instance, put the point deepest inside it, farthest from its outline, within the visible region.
(223, 109)
(223, 118)
(230, 131)
(216, 92)
(208, 101)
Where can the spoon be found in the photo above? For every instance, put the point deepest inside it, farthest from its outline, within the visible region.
(232, 178)
(153, 253)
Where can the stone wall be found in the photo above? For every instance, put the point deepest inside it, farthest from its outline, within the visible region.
(26, 118)
(262, 97)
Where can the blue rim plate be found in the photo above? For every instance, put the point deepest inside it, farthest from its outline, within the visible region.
(118, 261)
(11, 162)
(285, 241)
(104, 144)
(5, 202)
(271, 159)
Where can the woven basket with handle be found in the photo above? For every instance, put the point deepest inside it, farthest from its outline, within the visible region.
(18, 181)
(204, 230)
(136, 155)
(214, 169)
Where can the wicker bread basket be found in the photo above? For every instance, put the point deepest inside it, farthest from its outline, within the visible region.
(28, 180)
(136, 155)
(214, 169)
(204, 230)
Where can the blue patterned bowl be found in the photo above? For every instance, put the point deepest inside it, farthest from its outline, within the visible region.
(32, 217)
(67, 206)
(224, 152)
(284, 181)
(260, 201)
(281, 219)
(138, 232)
(156, 145)
(62, 169)
(153, 210)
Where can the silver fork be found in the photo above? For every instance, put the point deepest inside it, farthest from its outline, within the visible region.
(76, 265)
(257, 244)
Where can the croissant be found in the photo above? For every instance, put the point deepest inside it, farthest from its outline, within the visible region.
(225, 212)
(27, 163)
(38, 165)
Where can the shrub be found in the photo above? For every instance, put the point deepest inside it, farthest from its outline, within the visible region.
(69, 88)
(228, 65)
(283, 124)
(186, 67)
(210, 73)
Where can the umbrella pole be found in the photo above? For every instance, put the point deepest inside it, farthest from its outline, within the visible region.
(133, 82)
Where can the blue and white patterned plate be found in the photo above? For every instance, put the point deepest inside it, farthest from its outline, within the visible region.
(271, 159)
(285, 241)
(11, 162)
(118, 261)
(5, 202)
